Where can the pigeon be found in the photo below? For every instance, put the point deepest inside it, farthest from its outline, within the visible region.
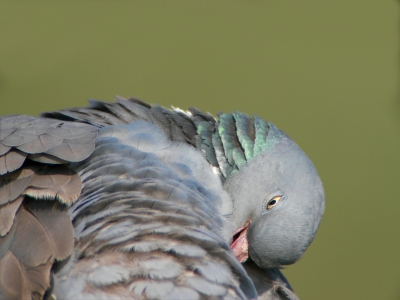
(128, 200)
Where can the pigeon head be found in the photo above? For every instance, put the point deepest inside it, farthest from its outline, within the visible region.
(278, 203)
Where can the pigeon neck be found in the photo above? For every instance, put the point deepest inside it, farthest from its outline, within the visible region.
(230, 142)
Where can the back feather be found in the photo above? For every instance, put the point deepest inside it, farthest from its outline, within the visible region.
(147, 224)
(227, 143)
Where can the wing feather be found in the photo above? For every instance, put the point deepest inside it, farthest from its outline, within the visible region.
(34, 233)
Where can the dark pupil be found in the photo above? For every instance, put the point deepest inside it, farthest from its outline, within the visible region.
(272, 202)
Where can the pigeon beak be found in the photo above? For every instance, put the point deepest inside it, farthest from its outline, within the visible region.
(240, 245)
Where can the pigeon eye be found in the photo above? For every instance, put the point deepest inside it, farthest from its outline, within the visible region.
(274, 201)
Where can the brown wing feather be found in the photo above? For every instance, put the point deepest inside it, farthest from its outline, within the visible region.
(11, 161)
(55, 182)
(7, 214)
(4, 149)
(12, 185)
(47, 159)
(12, 282)
(35, 185)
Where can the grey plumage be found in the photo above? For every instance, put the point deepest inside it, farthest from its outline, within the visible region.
(169, 231)
(160, 201)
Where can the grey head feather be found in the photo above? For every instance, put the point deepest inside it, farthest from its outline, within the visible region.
(278, 235)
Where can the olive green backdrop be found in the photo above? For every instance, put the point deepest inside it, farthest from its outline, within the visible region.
(326, 72)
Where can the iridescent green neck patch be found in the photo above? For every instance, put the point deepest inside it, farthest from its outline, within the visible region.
(234, 139)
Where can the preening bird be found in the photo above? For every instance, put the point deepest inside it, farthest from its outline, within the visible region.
(128, 200)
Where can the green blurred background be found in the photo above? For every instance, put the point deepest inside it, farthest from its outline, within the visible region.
(326, 72)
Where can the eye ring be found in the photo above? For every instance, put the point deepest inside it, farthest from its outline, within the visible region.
(273, 202)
